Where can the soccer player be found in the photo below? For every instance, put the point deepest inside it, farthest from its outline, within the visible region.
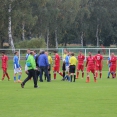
(109, 64)
(17, 67)
(56, 64)
(113, 61)
(73, 62)
(5, 66)
(80, 66)
(67, 58)
(26, 68)
(50, 63)
(99, 64)
(90, 64)
(63, 67)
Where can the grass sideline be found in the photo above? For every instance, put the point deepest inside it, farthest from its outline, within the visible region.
(59, 99)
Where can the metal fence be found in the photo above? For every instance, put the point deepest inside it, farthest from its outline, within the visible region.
(22, 52)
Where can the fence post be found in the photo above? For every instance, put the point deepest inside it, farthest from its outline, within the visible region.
(109, 52)
(85, 54)
(19, 54)
(62, 53)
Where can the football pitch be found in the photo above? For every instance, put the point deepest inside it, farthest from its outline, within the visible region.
(58, 98)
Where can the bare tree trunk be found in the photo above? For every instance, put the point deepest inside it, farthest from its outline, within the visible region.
(82, 36)
(48, 33)
(23, 31)
(9, 30)
(97, 35)
(56, 38)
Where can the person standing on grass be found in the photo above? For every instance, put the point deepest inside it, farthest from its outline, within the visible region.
(27, 55)
(50, 63)
(63, 66)
(37, 66)
(80, 65)
(35, 54)
(5, 66)
(99, 64)
(57, 64)
(67, 58)
(17, 67)
(30, 62)
(90, 64)
(113, 62)
(43, 65)
(73, 62)
(109, 65)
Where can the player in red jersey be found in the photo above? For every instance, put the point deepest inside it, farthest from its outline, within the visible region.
(90, 64)
(113, 62)
(57, 64)
(80, 66)
(4, 66)
(99, 64)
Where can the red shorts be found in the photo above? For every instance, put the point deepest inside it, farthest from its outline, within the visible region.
(80, 67)
(91, 69)
(98, 68)
(57, 68)
(4, 69)
(113, 68)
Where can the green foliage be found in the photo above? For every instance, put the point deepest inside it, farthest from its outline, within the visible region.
(71, 18)
(33, 43)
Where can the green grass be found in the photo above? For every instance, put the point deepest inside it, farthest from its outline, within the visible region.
(59, 99)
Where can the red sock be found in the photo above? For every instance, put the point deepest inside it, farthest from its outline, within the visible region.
(3, 76)
(94, 78)
(96, 74)
(114, 75)
(100, 75)
(54, 75)
(7, 76)
(60, 73)
(82, 74)
(77, 74)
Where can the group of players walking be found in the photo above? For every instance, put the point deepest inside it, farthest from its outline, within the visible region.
(36, 64)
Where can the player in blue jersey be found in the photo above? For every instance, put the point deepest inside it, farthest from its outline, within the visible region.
(17, 67)
(109, 64)
(67, 58)
(26, 68)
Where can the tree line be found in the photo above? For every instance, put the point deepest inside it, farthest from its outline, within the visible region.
(59, 21)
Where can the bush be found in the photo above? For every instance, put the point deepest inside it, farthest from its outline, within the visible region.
(33, 43)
